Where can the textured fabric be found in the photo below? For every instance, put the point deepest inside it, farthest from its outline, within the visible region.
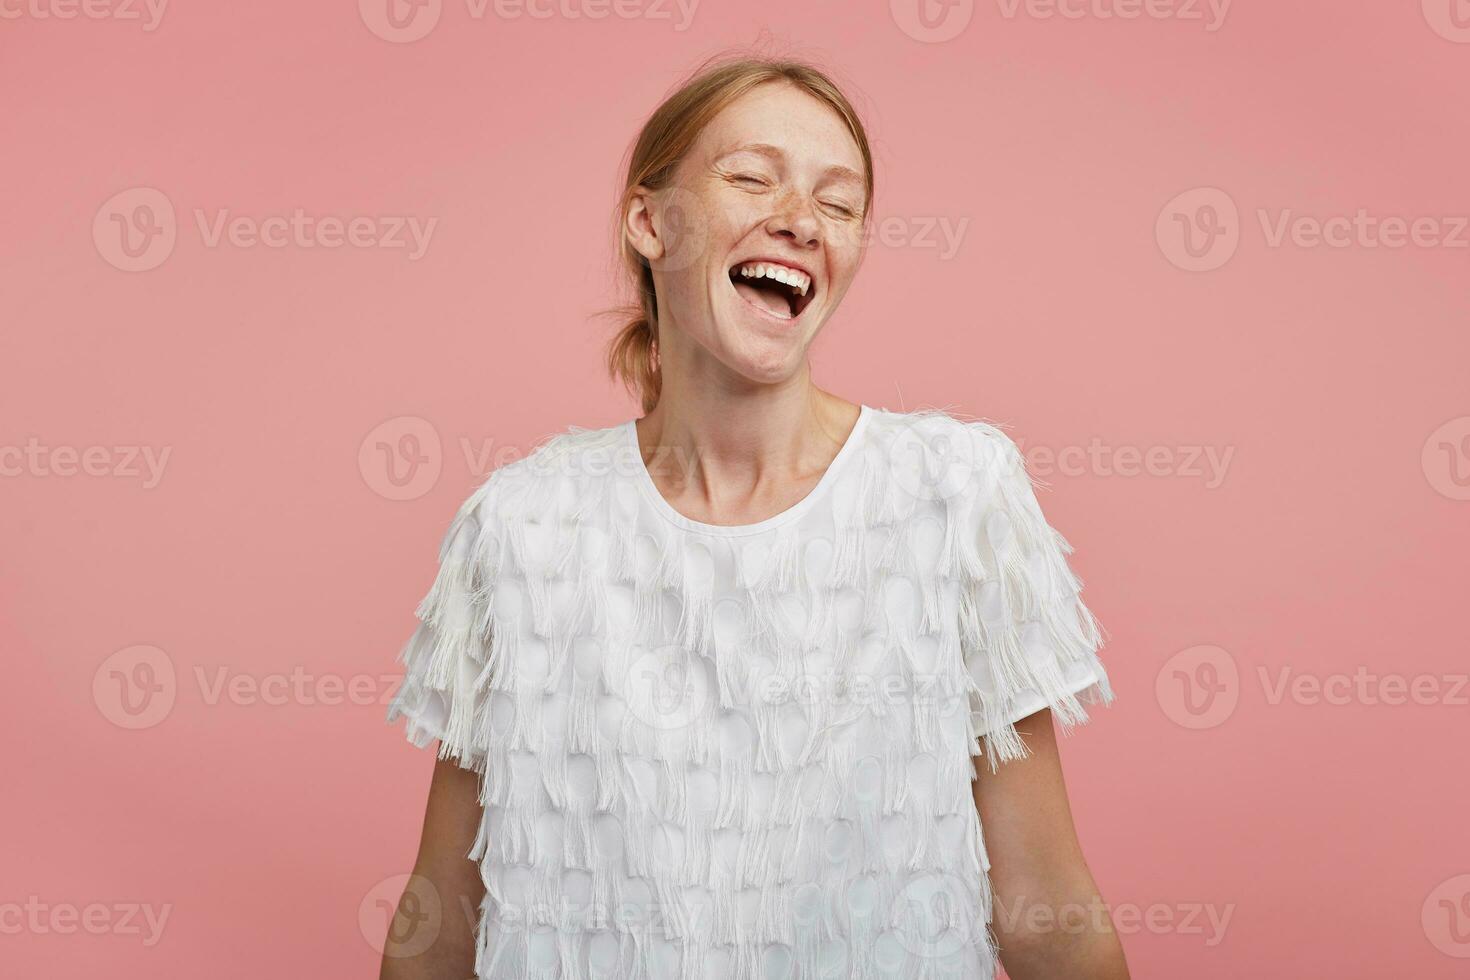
(745, 751)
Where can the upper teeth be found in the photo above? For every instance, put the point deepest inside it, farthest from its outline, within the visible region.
(799, 281)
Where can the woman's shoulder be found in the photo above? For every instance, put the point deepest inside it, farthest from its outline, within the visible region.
(967, 450)
(938, 423)
(558, 468)
(570, 454)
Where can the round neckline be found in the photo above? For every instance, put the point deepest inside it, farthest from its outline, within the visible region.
(659, 503)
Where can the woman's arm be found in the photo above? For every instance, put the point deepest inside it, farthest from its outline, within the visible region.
(422, 945)
(1049, 918)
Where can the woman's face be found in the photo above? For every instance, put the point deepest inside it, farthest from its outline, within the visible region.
(759, 236)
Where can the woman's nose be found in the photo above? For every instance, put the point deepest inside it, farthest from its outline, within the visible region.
(795, 221)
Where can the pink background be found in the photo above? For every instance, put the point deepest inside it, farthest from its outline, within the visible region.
(1331, 834)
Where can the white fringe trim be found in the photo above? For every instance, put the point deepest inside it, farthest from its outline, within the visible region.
(999, 631)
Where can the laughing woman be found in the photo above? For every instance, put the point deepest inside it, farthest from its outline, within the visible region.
(730, 689)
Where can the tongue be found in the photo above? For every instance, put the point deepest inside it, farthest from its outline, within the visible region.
(769, 297)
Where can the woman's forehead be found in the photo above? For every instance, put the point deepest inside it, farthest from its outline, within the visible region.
(781, 121)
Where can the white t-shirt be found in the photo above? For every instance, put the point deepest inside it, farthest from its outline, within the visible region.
(745, 751)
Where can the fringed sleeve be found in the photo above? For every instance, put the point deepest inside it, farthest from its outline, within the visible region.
(446, 662)
(1028, 640)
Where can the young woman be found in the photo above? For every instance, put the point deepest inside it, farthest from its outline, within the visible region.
(730, 689)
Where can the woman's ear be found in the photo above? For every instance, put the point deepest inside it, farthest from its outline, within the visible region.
(639, 226)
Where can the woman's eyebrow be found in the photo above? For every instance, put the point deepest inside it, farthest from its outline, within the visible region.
(839, 172)
(763, 149)
(775, 153)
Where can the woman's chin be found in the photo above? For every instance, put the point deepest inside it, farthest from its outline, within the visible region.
(764, 358)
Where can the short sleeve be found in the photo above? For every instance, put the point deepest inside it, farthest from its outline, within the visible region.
(446, 661)
(1028, 640)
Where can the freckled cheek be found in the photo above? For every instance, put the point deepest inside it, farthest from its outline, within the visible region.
(845, 241)
(843, 263)
(732, 220)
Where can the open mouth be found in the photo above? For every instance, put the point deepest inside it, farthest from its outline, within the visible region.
(777, 289)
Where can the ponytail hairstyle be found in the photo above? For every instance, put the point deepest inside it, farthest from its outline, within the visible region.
(632, 355)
